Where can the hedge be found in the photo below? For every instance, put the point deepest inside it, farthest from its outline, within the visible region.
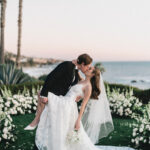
(143, 95)
(20, 87)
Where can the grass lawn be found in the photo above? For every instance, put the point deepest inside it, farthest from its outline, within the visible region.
(121, 136)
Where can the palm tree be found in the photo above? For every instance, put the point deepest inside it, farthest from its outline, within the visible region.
(99, 65)
(3, 10)
(19, 34)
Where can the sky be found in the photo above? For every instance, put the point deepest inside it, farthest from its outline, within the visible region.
(108, 30)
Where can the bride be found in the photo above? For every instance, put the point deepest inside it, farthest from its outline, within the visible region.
(60, 126)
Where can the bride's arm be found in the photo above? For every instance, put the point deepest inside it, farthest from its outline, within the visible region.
(87, 95)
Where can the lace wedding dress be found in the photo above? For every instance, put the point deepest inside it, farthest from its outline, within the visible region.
(58, 119)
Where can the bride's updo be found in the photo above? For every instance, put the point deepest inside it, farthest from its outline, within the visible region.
(95, 82)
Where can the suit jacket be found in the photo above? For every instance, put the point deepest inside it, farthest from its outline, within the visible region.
(60, 79)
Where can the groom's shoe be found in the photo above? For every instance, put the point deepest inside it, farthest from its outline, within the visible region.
(29, 127)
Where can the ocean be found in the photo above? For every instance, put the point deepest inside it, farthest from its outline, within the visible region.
(136, 74)
(130, 73)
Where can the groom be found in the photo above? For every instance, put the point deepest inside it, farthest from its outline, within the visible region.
(59, 81)
(64, 76)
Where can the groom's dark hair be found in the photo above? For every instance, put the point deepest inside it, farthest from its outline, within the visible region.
(84, 58)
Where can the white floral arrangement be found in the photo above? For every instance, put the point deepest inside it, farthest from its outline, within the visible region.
(141, 131)
(20, 103)
(126, 104)
(6, 128)
(10, 104)
(74, 137)
(123, 104)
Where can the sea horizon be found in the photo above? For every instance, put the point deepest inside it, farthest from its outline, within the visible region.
(133, 73)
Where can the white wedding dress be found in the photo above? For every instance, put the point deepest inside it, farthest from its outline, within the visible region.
(58, 119)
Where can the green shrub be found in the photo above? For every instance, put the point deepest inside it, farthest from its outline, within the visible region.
(20, 87)
(43, 77)
(143, 95)
(100, 66)
(9, 74)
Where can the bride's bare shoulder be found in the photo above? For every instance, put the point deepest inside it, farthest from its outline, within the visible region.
(87, 87)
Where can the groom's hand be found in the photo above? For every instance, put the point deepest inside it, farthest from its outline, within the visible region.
(39, 94)
(78, 98)
(44, 100)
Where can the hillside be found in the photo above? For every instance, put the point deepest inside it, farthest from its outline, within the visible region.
(29, 61)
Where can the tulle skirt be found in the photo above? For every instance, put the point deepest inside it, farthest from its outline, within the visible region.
(57, 121)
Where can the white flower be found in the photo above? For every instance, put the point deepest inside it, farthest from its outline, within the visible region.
(4, 136)
(142, 126)
(130, 104)
(7, 104)
(145, 141)
(5, 130)
(147, 126)
(135, 129)
(141, 138)
(136, 142)
(125, 105)
(9, 127)
(29, 111)
(134, 134)
(8, 116)
(132, 141)
(141, 130)
(34, 108)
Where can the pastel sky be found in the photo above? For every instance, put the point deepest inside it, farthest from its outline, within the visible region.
(108, 30)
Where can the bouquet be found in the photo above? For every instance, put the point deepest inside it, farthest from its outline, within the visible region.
(74, 137)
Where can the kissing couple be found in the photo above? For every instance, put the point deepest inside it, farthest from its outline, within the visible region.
(61, 125)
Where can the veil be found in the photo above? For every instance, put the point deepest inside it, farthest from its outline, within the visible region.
(97, 120)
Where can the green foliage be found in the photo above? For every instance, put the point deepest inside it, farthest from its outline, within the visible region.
(20, 87)
(9, 74)
(99, 66)
(30, 61)
(43, 77)
(2, 115)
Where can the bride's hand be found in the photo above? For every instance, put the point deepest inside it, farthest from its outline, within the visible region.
(77, 125)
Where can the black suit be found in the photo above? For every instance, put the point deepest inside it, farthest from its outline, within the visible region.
(60, 80)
